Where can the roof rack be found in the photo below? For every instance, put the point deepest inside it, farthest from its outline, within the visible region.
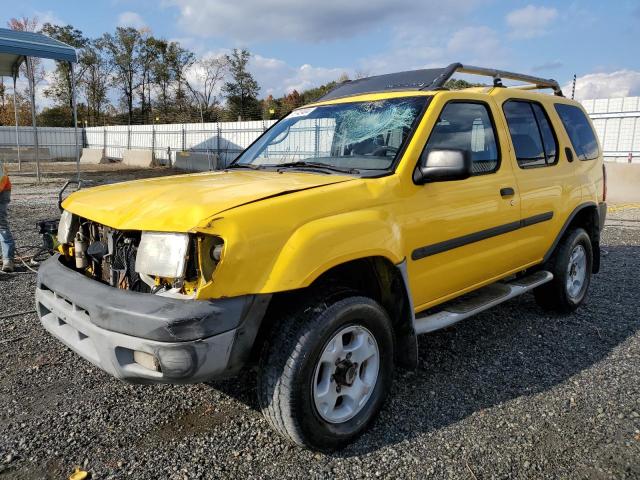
(431, 79)
(498, 75)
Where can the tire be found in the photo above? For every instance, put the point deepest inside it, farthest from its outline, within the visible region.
(573, 260)
(292, 379)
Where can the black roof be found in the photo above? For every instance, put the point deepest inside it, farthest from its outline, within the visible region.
(429, 79)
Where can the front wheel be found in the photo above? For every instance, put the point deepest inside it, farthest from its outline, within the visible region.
(326, 370)
(571, 266)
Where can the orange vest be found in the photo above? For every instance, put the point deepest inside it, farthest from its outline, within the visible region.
(5, 183)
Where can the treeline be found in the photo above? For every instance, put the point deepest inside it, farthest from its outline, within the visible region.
(131, 76)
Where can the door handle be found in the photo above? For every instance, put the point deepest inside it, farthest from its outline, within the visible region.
(569, 154)
(507, 192)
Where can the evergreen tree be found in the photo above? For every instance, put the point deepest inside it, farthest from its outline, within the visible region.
(242, 89)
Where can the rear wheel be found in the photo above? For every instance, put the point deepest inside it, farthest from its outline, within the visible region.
(326, 371)
(571, 266)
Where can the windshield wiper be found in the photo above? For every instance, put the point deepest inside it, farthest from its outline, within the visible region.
(317, 165)
(245, 165)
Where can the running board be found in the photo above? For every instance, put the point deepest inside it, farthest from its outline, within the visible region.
(478, 301)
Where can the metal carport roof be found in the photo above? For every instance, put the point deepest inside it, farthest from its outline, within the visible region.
(16, 45)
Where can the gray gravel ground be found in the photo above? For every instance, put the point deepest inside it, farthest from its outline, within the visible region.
(511, 393)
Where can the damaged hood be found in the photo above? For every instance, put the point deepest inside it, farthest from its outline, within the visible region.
(180, 203)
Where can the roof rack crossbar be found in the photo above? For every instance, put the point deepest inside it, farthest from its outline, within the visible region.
(497, 76)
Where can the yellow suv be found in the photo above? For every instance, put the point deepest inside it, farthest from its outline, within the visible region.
(390, 208)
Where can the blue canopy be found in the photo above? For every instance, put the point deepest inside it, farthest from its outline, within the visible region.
(16, 45)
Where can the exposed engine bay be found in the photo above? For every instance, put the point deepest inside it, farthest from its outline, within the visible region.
(109, 256)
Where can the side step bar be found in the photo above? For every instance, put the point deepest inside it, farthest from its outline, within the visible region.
(478, 301)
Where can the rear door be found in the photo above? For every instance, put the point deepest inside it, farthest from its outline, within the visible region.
(545, 180)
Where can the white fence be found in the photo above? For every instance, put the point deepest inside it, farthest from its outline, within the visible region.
(227, 139)
(616, 120)
(617, 123)
(59, 141)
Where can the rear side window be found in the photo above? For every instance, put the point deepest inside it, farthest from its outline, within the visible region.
(532, 134)
(467, 126)
(579, 130)
(548, 137)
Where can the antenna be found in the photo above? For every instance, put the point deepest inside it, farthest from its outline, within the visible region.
(573, 88)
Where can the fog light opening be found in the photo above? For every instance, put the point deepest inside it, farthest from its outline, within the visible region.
(146, 360)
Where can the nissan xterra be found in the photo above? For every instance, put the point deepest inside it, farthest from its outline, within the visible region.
(391, 207)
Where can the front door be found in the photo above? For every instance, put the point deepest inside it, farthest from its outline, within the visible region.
(461, 234)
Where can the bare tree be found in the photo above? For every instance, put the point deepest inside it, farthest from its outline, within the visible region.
(96, 80)
(147, 59)
(36, 75)
(181, 60)
(203, 81)
(124, 56)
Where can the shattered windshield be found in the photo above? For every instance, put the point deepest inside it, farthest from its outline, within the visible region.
(349, 137)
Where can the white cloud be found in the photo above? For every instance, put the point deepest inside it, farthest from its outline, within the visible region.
(416, 48)
(131, 19)
(474, 41)
(252, 20)
(22, 85)
(276, 77)
(622, 83)
(530, 21)
(48, 17)
(546, 66)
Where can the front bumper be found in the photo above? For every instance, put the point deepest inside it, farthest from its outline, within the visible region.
(191, 340)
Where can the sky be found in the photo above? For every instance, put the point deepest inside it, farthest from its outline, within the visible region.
(298, 44)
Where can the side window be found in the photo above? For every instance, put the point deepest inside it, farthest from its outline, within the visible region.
(532, 135)
(548, 137)
(580, 132)
(467, 126)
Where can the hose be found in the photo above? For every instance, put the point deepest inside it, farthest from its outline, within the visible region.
(22, 258)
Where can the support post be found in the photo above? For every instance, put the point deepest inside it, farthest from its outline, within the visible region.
(221, 161)
(32, 92)
(153, 144)
(316, 142)
(75, 117)
(15, 111)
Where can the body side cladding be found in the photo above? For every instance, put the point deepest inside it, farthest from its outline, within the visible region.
(407, 351)
(457, 242)
(246, 335)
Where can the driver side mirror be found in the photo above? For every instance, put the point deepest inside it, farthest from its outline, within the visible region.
(443, 165)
